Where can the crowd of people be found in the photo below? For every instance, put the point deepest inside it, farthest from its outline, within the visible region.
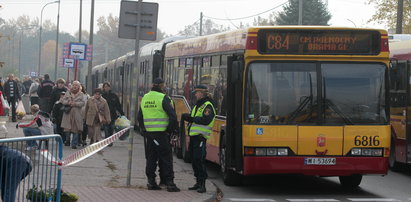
(63, 108)
(75, 115)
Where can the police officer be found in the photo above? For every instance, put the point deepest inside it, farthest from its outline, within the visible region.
(202, 120)
(156, 119)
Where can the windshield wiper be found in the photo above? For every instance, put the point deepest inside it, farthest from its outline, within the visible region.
(338, 111)
(304, 103)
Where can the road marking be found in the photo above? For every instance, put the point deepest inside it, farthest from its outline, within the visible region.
(250, 199)
(373, 199)
(297, 200)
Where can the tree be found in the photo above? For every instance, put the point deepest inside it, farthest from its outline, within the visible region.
(386, 13)
(315, 12)
(209, 27)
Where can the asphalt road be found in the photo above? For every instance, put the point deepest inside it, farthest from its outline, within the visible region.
(396, 186)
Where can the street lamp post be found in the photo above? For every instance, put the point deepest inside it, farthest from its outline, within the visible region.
(57, 42)
(41, 28)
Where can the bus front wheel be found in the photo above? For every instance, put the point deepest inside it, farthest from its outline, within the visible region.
(352, 181)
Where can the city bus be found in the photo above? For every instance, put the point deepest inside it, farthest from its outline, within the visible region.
(400, 72)
(306, 100)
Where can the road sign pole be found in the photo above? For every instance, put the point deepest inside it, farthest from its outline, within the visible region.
(135, 92)
(75, 68)
(68, 76)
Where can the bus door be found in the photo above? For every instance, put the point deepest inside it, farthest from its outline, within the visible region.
(233, 132)
(398, 108)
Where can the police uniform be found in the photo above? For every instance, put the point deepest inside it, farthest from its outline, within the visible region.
(201, 120)
(156, 118)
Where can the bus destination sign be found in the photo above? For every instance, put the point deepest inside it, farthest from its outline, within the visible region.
(319, 42)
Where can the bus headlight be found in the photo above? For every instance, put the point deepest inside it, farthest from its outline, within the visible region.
(260, 151)
(282, 152)
(266, 151)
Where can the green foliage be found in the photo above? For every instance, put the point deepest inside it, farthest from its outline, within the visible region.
(314, 12)
(39, 195)
(386, 13)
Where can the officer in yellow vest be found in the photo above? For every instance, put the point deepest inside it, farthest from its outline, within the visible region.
(201, 122)
(156, 119)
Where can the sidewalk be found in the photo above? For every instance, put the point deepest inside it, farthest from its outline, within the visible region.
(102, 177)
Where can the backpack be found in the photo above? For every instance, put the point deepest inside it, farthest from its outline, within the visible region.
(46, 127)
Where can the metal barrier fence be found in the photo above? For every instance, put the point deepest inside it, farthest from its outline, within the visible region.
(26, 174)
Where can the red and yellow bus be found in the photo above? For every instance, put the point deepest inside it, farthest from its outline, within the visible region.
(400, 75)
(289, 99)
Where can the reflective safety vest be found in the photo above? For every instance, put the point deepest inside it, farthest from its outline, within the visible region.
(197, 129)
(154, 116)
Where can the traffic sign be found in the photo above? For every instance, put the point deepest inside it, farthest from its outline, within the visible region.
(78, 50)
(147, 22)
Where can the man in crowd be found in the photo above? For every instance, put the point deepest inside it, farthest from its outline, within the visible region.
(156, 119)
(114, 105)
(44, 93)
(12, 93)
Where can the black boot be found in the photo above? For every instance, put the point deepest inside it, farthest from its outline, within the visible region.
(201, 188)
(162, 182)
(171, 187)
(152, 185)
(195, 186)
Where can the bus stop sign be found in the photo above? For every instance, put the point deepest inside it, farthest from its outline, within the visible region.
(129, 22)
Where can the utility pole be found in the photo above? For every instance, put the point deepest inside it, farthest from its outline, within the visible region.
(400, 9)
(201, 23)
(300, 12)
(90, 63)
(79, 39)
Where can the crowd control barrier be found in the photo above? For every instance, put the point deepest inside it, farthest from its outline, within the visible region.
(26, 173)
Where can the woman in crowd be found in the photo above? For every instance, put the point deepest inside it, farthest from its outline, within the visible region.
(97, 114)
(72, 121)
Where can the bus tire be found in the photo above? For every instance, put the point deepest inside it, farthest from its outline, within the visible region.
(392, 160)
(230, 177)
(351, 181)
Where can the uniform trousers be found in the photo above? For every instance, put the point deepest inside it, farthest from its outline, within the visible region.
(159, 149)
(197, 148)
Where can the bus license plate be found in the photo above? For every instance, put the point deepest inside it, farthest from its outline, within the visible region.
(320, 161)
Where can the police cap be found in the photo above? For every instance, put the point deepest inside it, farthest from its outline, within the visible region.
(158, 81)
(201, 88)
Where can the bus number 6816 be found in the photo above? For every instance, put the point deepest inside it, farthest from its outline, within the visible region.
(367, 140)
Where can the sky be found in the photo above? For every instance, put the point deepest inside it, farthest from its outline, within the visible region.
(174, 15)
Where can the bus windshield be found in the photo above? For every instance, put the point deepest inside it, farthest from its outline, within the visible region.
(292, 93)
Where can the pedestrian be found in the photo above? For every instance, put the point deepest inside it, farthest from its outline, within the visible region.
(84, 133)
(56, 92)
(33, 90)
(12, 93)
(44, 92)
(72, 121)
(115, 107)
(40, 125)
(201, 122)
(27, 83)
(3, 105)
(97, 113)
(14, 166)
(57, 115)
(156, 118)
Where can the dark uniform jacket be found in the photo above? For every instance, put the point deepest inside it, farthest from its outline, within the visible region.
(45, 89)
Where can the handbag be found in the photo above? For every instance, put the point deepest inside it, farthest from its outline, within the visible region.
(4, 103)
(66, 109)
(101, 118)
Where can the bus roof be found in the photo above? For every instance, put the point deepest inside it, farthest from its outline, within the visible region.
(232, 41)
(400, 50)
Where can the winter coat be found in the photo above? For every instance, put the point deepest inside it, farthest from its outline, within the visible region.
(33, 89)
(73, 121)
(114, 104)
(57, 113)
(55, 94)
(91, 111)
(10, 91)
(45, 89)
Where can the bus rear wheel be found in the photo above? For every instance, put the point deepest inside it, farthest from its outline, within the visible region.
(352, 181)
